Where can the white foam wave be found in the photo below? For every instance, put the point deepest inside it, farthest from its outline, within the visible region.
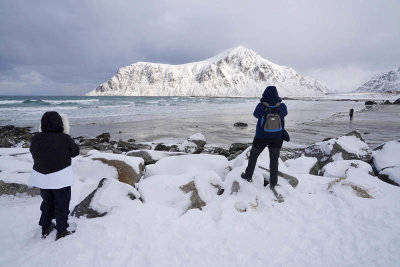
(57, 102)
(8, 102)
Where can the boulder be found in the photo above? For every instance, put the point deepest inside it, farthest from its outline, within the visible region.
(390, 175)
(386, 162)
(103, 138)
(190, 148)
(87, 142)
(234, 156)
(238, 147)
(216, 151)
(290, 153)
(151, 157)
(103, 146)
(397, 102)
(109, 194)
(340, 168)
(127, 146)
(126, 174)
(197, 139)
(11, 136)
(370, 102)
(203, 189)
(387, 102)
(240, 125)
(146, 156)
(347, 147)
(303, 165)
(15, 189)
(162, 147)
(5, 142)
(193, 145)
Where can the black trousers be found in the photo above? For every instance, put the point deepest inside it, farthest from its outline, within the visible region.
(55, 205)
(274, 148)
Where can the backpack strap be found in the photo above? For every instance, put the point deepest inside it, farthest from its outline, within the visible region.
(268, 106)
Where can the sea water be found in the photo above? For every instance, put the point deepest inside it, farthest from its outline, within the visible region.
(161, 118)
(27, 110)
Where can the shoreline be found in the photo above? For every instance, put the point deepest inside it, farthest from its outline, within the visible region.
(219, 129)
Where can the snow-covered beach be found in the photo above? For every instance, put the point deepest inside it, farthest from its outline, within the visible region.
(341, 215)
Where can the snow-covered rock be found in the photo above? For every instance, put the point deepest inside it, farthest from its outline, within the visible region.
(203, 189)
(152, 156)
(17, 189)
(383, 82)
(347, 147)
(339, 168)
(235, 72)
(194, 144)
(192, 164)
(109, 194)
(386, 162)
(303, 165)
(126, 169)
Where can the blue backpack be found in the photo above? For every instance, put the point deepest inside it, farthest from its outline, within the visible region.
(271, 122)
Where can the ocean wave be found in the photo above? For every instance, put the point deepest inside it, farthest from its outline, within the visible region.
(10, 102)
(69, 101)
(36, 102)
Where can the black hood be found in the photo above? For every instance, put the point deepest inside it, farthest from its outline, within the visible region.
(271, 96)
(52, 122)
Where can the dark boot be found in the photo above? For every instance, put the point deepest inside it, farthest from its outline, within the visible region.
(63, 234)
(243, 175)
(47, 230)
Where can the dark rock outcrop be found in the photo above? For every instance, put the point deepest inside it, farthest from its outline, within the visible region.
(146, 156)
(103, 138)
(216, 151)
(15, 189)
(11, 136)
(326, 150)
(238, 147)
(84, 208)
(370, 102)
(385, 163)
(240, 125)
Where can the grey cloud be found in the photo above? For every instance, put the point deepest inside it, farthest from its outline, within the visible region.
(75, 45)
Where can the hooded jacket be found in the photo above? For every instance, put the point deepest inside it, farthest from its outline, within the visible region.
(52, 150)
(270, 96)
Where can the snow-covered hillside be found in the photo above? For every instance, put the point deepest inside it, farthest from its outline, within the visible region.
(235, 72)
(383, 82)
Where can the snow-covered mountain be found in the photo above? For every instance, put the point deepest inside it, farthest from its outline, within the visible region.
(234, 72)
(383, 82)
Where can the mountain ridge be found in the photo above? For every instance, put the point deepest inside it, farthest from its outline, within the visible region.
(237, 71)
(382, 82)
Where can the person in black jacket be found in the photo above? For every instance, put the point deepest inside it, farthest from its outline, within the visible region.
(52, 150)
(351, 112)
(270, 102)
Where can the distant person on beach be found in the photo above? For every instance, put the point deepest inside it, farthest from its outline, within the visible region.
(270, 113)
(52, 150)
(351, 113)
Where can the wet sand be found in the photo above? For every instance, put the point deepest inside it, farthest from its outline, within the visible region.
(378, 125)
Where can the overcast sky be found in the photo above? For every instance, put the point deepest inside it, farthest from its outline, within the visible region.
(69, 47)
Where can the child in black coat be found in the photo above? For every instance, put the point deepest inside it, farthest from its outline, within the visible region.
(52, 150)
